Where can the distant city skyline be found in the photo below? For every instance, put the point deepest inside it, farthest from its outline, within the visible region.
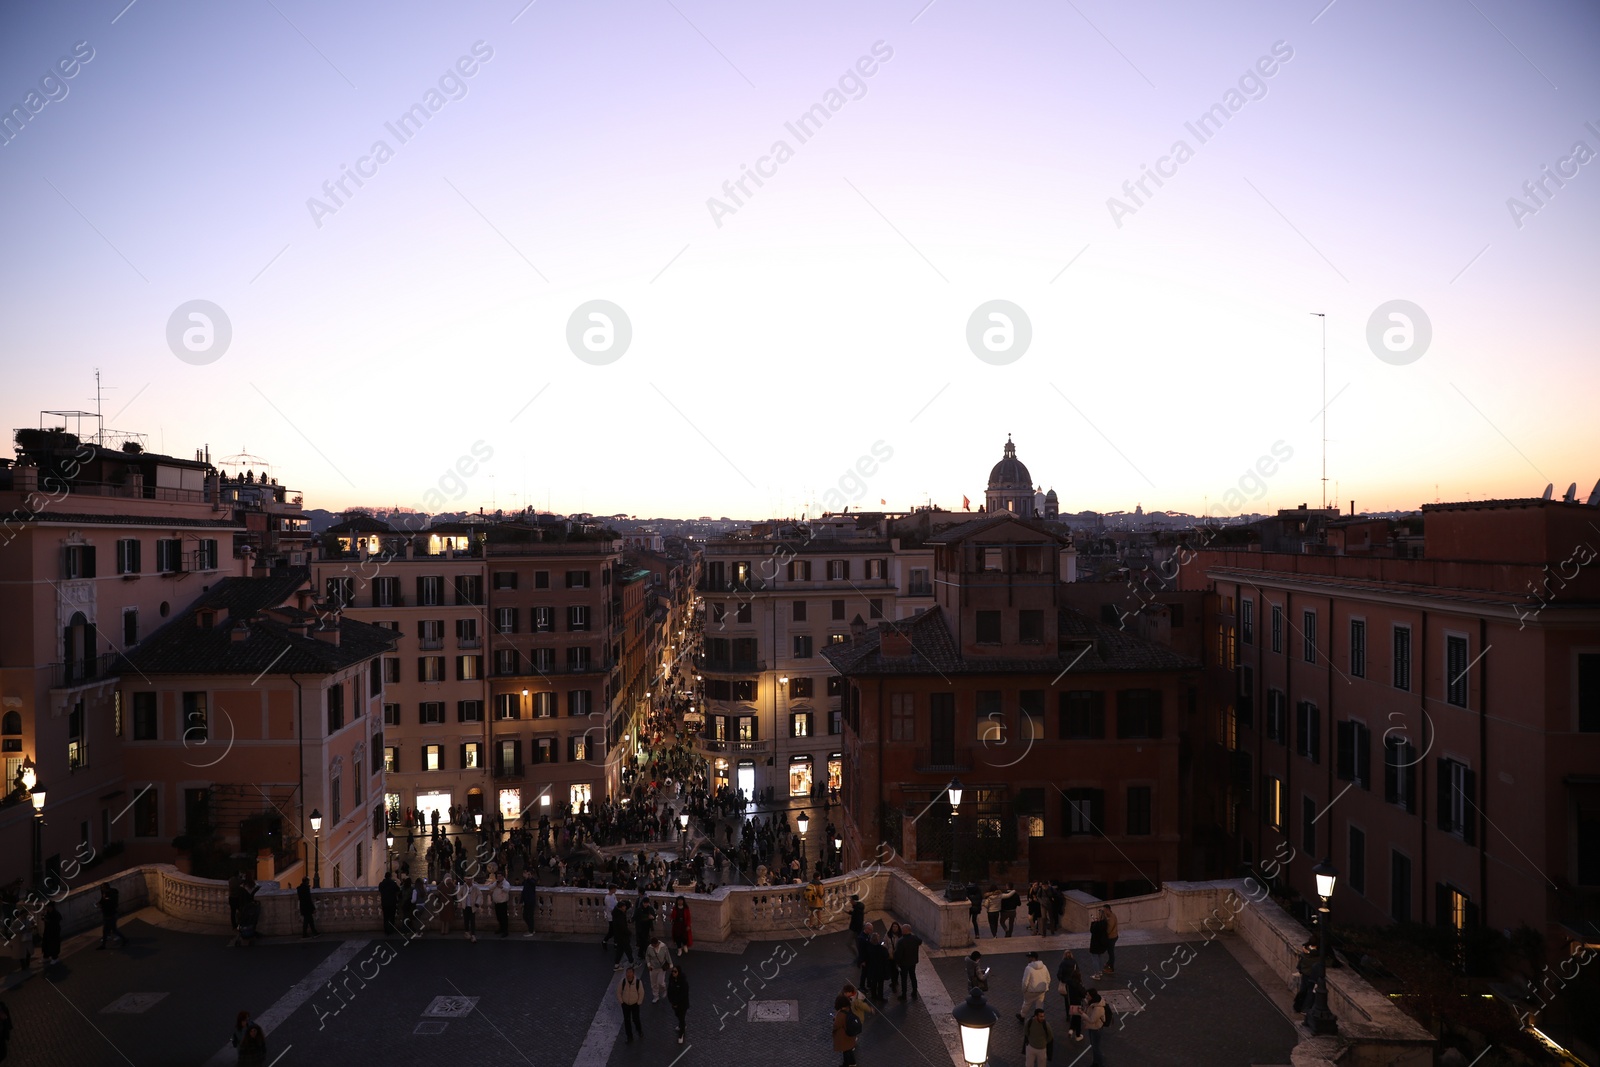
(701, 259)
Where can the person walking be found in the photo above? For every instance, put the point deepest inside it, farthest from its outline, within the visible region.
(974, 906)
(858, 915)
(814, 900)
(241, 1023)
(619, 933)
(50, 935)
(977, 975)
(644, 921)
(907, 952)
(500, 897)
(1035, 984)
(1105, 922)
(879, 967)
(1095, 1020)
(253, 1047)
(110, 896)
(1309, 967)
(630, 994)
(1010, 900)
(682, 926)
(991, 905)
(678, 996)
(389, 901)
(530, 899)
(467, 894)
(846, 1028)
(1038, 1043)
(308, 908)
(657, 961)
(1069, 983)
(611, 910)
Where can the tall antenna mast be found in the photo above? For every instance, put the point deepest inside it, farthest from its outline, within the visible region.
(99, 421)
(1324, 319)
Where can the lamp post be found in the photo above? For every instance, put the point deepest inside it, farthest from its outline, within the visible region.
(316, 847)
(30, 782)
(803, 821)
(683, 825)
(1320, 1020)
(975, 1019)
(388, 841)
(838, 852)
(954, 789)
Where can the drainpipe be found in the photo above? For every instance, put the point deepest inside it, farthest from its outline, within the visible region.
(1483, 774)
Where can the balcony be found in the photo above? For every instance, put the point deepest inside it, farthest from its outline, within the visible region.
(83, 672)
(507, 771)
(942, 761)
(733, 748)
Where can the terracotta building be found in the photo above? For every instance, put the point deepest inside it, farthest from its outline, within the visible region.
(1430, 724)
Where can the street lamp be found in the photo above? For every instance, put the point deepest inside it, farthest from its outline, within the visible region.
(1320, 1020)
(36, 794)
(389, 841)
(316, 847)
(955, 790)
(975, 1019)
(802, 821)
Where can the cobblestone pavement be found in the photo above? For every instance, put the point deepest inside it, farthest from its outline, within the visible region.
(551, 1002)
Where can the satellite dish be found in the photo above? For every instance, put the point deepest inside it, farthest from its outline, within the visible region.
(1572, 494)
(1548, 489)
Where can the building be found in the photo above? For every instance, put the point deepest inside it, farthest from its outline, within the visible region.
(1064, 732)
(244, 718)
(1430, 724)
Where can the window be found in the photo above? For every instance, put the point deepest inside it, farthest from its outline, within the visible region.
(374, 678)
(748, 730)
(430, 590)
(1455, 670)
(719, 612)
(1083, 812)
(505, 620)
(1454, 908)
(128, 549)
(875, 608)
(355, 782)
(505, 579)
(1030, 708)
(432, 757)
(391, 715)
(992, 559)
(544, 750)
(507, 706)
(877, 569)
(391, 669)
(430, 712)
(1272, 799)
(505, 661)
(1083, 715)
(541, 579)
(430, 633)
(1358, 648)
(391, 759)
(1139, 713)
(544, 705)
(195, 721)
(799, 611)
(578, 615)
(1400, 772)
(1277, 727)
(919, 584)
(743, 612)
(508, 757)
(1308, 731)
(13, 721)
(130, 627)
(578, 659)
(1402, 657)
(744, 689)
(469, 711)
(543, 620)
(902, 717)
(1354, 762)
(577, 748)
(1247, 621)
(799, 571)
(146, 813)
(836, 721)
(1277, 628)
(1139, 814)
(543, 659)
(800, 688)
(1030, 626)
(169, 554)
(579, 702)
(469, 668)
(471, 755)
(577, 579)
(800, 724)
(1356, 861)
(837, 609)
(1246, 699)
(1399, 887)
(802, 646)
(1589, 692)
(990, 717)
(1458, 795)
(988, 628)
(1308, 826)
(430, 668)
(838, 570)
(341, 592)
(79, 562)
(1308, 624)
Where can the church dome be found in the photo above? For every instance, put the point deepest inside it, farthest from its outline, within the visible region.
(1010, 473)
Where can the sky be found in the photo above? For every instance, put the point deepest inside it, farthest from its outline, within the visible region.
(825, 336)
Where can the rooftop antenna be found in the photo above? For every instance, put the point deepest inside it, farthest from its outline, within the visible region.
(1324, 319)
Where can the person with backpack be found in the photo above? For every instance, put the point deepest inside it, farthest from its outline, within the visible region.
(1097, 1018)
(846, 1029)
(1035, 984)
(1038, 1043)
(1069, 983)
(630, 994)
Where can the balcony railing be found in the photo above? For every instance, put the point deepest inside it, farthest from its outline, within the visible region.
(734, 748)
(82, 672)
(942, 761)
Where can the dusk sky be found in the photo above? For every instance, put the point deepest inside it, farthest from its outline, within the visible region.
(779, 332)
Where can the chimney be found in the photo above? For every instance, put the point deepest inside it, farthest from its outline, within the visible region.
(895, 643)
(858, 628)
(302, 599)
(240, 632)
(328, 632)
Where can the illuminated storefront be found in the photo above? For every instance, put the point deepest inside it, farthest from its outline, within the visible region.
(511, 804)
(578, 797)
(428, 803)
(799, 776)
(835, 770)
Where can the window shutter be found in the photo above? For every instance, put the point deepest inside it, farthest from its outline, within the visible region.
(1441, 902)
(1471, 918)
(88, 561)
(1391, 772)
(1363, 738)
(463, 756)
(1442, 770)
(1097, 811)
(1408, 754)
(1347, 751)
(1469, 807)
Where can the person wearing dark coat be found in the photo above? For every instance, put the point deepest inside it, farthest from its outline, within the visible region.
(253, 1047)
(389, 900)
(678, 996)
(858, 914)
(907, 951)
(879, 967)
(308, 909)
(50, 938)
(1070, 984)
(530, 901)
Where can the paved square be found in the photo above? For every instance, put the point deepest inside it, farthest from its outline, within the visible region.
(132, 1004)
(450, 1007)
